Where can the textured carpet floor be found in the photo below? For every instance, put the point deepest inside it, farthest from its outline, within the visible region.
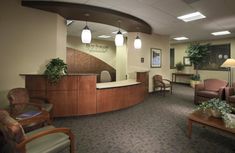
(158, 125)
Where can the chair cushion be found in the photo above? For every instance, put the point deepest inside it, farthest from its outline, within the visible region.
(214, 84)
(51, 143)
(208, 94)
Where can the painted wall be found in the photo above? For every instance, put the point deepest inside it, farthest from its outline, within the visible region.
(121, 62)
(205, 74)
(134, 56)
(28, 41)
(107, 55)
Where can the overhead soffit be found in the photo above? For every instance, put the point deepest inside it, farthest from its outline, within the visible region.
(72, 11)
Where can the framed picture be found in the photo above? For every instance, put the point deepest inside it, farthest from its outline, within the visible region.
(156, 58)
(187, 61)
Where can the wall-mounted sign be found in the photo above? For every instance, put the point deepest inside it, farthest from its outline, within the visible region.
(97, 47)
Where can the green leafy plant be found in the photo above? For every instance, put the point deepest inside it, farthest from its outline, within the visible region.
(223, 108)
(55, 69)
(197, 53)
(195, 77)
(179, 66)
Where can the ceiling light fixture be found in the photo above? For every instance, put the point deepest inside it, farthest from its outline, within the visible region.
(104, 36)
(68, 22)
(191, 17)
(180, 38)
(86, 33)
(119, 40)
(115, 32)
(219, 33)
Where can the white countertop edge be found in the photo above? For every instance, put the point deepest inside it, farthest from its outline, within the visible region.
(116, 84)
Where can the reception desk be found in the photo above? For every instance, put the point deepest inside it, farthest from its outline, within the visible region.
(79, 94)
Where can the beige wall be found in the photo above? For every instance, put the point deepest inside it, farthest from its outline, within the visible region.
(121, 62)
(108, 56)
(28, 41)
(180, 53)
(134, 56)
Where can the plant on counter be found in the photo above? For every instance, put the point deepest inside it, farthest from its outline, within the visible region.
(179, 66)
(195, 77)
(217, 108)
(55, 69)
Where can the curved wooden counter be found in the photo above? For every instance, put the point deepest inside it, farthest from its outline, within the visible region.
(79, 94)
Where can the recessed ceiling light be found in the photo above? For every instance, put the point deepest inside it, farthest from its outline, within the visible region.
(68, 22)
(115, 32)
(180, 38)
(191, 17)
(104, 36)
(219, 33)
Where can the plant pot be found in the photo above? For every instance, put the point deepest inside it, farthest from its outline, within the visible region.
(194, 82)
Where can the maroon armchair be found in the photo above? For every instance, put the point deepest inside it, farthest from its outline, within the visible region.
(230, 94)
(210, 88)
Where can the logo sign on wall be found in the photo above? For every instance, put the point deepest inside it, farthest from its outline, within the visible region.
(97, 48)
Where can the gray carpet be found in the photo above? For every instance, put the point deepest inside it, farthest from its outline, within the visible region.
(158, 125)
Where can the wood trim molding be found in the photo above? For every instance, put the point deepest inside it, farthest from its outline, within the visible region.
(74, 11)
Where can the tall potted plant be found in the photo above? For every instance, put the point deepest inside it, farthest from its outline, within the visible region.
(55, 69)
(197, 54)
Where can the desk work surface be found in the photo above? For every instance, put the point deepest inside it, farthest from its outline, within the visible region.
(116, 84)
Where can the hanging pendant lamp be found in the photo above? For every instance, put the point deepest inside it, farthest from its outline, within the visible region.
(86, 35)
(137, 42)
(119, 40)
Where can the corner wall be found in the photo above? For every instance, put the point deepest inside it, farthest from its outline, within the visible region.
(134, 56)
(28, 41)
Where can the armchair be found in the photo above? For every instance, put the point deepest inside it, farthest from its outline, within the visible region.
(18, 96)
(43, 140)
(210, 88)
(159, 82)
(230, 94)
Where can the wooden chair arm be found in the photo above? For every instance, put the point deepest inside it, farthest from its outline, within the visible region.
(160, 82)
(40, 99)
(47, 132)
(32, 104)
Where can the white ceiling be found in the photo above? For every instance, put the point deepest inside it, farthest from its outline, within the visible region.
(162, 16)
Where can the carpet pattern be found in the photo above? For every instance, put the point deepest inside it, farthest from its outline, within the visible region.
(158, 125)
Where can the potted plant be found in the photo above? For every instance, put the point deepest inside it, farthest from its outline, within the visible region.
(55, 69)
(197, 54)
(195, 79)
(218, 109)
(179, 66)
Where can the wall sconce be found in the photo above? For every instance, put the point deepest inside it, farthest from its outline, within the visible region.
(86, 33)
(119, 40)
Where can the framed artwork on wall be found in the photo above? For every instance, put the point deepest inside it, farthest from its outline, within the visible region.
(155, 58)
(187, 61)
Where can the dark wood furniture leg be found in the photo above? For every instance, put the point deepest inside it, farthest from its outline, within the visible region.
(189, 128)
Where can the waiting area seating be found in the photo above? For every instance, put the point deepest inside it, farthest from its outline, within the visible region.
(19, 98)
(210, 88)
(162, 84)
(105, 76)
(47, 139)
(230, 94)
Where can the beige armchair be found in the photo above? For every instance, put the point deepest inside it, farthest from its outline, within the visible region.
(210, 88)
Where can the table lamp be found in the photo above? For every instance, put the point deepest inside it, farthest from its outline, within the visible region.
(229, 63)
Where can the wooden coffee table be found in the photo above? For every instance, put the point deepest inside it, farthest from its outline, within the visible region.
(201, 118)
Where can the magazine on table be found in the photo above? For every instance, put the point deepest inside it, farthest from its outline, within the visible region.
(27, 114)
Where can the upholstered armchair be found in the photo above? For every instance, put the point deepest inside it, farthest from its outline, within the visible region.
(230, 94)
(42, 140)
(162, 84)
(19, 99)
(210, 88)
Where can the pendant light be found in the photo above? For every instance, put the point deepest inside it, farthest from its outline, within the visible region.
(86, 33)
(137, 42)
(119, 40)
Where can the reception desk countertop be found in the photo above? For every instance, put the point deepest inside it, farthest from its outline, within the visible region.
(116, 84)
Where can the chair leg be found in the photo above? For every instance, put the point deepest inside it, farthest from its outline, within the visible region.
(164, 92)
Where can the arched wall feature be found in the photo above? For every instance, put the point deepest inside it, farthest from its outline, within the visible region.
(80, 62)
(74, 11)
